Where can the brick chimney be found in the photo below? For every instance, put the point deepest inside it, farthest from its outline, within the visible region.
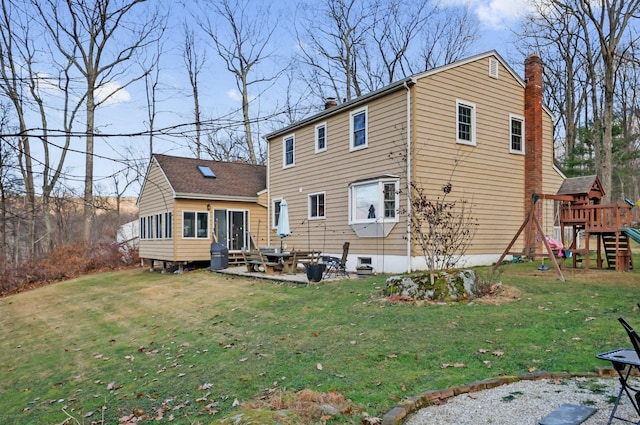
(532, 128)
(330, 103)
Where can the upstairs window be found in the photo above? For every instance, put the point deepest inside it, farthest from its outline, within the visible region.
(516, 125)
(358, 126)
(466, 122)
(288, 150)
(316, 205)
(321, 137)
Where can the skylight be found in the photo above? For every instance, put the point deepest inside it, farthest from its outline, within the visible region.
(206, 171)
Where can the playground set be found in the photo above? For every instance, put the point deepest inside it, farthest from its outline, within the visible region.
(582, 217)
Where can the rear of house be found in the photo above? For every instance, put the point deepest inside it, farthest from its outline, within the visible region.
(187, 203)
(345, 172)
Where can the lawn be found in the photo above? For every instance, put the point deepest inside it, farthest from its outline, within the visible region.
(192, 348)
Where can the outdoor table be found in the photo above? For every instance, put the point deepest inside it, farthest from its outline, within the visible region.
(623, 361)
(286, 259)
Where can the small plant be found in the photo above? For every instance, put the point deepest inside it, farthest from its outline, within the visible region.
(443, 229)
(512, 396)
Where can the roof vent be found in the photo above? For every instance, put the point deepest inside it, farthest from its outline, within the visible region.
(206, 171)
(493, 68)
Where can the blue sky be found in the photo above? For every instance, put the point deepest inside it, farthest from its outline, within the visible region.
(126, 113)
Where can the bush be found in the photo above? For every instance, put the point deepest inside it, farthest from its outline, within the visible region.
(67, 262)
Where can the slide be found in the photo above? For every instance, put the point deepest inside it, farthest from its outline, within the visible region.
(632, 233)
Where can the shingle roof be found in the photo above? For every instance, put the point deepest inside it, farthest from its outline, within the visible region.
(235, 179)
(579, 185)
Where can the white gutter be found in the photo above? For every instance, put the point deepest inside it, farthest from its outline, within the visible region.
(406, 86)
(269, 212)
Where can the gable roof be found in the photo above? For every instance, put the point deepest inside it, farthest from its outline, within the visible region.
(401, 84)
(584, 185)
(232, 179)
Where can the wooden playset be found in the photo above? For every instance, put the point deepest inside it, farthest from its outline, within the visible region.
(582, 217)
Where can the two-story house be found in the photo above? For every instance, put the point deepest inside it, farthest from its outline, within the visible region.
(345, 172)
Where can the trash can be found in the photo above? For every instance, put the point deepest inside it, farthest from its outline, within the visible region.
(219, 256)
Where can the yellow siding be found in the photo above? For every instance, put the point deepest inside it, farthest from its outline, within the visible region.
(332, 171)
(487, 176)
(156, 198)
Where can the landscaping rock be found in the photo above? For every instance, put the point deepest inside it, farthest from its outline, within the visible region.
(448, 286)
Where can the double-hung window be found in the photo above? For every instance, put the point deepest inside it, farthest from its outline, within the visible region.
(316, 205)
(195, 224)
(276, 212)
(516, 130)
(358, 127)
(321, 137)
(466, 122)
(288, 151)
(374, 201)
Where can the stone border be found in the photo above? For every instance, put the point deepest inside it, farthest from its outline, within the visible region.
(411, 404)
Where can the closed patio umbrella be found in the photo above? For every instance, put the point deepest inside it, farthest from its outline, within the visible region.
(283, 222)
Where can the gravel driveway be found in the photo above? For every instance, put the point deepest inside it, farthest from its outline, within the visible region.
(528, 402)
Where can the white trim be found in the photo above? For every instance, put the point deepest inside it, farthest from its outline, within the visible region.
(322, 124)
(514, 117)
(324, 196)
(471, 106)
(352, 114)
(195, 230)
(380, 182)
(291, 136)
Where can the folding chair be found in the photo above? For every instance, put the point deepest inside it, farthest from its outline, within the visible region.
(337, 266)
(623, 361)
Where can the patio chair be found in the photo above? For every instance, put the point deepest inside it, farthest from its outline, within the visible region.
(624, 360)
(337, 266)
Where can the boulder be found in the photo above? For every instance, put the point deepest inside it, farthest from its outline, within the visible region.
(448, 286)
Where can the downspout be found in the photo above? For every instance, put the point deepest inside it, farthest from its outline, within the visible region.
(269, 203)
(406, 86)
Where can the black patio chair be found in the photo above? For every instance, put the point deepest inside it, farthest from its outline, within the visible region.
(337, 266)
(624, 360)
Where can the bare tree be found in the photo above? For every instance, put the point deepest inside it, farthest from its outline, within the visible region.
(243, 51)
(194, 63)
(15, 30)
(448, 37)
(362, 46)
(98, 38)
(8, 183)
(396, 25)
(332, 46)
(610, 20)
(151, 81)
(556, 36)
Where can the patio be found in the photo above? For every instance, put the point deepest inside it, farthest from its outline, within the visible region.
(299, 278)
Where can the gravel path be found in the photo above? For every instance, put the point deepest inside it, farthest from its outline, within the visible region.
(527, 402)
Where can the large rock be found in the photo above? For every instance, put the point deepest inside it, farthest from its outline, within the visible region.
(448, 286)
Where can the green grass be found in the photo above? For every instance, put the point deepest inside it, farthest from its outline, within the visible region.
(192, 344)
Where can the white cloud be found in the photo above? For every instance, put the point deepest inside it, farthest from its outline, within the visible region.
(495, 13)
(115, 92)
(234, 95)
